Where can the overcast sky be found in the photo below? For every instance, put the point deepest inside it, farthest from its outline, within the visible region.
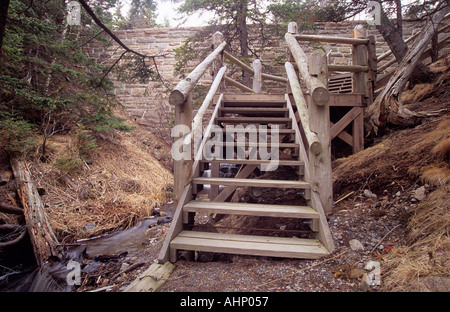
(167, 11)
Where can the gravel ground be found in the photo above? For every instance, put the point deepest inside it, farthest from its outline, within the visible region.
(375, 224)
(377, 230)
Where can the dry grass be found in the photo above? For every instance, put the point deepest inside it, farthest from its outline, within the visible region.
(410, 157)
(122, 184)
(428, 250)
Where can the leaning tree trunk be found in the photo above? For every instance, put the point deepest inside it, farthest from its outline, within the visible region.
(387, 107)
(45, 244)
(394, 38)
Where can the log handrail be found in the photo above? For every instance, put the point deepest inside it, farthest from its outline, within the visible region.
(179, 93)
(197, 120)
(312, 139)
(250, 70)
(329, 39)
(316, 88)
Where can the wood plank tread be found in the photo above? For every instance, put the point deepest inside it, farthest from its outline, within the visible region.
(253, 182)
(257, 144)
(238, 110)
(263, 210)
(256, 130)
(249, 245)
(253, 119)
(255, 162)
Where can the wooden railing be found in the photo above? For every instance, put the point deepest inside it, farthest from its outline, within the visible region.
(313, 116)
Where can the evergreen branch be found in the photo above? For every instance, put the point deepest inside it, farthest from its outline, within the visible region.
(117, 40)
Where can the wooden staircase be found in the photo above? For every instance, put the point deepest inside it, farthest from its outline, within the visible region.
(282, 145)
(256, 110)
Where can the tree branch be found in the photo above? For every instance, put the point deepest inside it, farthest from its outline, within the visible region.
(11, 209)
(14, 227)
(117, 40)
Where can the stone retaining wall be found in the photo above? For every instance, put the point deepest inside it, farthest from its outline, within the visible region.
(143, 102)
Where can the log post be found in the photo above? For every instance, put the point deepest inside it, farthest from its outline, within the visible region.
(372, 63)
(292, 29)
(218, 39)
(257, 76)
(359, 57)
(182, 168)
(319, 118)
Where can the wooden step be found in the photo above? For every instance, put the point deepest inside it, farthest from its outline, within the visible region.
(247, 245)
(257, 144)
(262, 210)
(255, 111)
(254, 100)
(254, 120)
(253, 182)
(256, 130)
(293, 163)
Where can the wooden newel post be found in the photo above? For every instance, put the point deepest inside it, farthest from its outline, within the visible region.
(182, 168)
(217, 40)
(257, 77)
(359, 57)
(319, 115)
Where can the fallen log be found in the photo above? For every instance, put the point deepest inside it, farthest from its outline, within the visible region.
(45, 244)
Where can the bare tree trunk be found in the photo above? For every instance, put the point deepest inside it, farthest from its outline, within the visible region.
(44, 241)
(387, 107)
(394, 38)
(243, 36)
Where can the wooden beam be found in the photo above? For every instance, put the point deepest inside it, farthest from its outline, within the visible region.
(243, 173)
(344, 121)
(238, 62)
(177, 224)
(238, 85)
(344, 136)
(273, 77)
(179, 94)
(348, 68)
(327, 39)
(358, 131)
(350, 99)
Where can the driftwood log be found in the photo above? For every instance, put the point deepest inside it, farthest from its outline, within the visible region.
(45, 244)
(387, 107)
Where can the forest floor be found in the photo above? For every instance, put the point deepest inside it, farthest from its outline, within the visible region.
(391, 206)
